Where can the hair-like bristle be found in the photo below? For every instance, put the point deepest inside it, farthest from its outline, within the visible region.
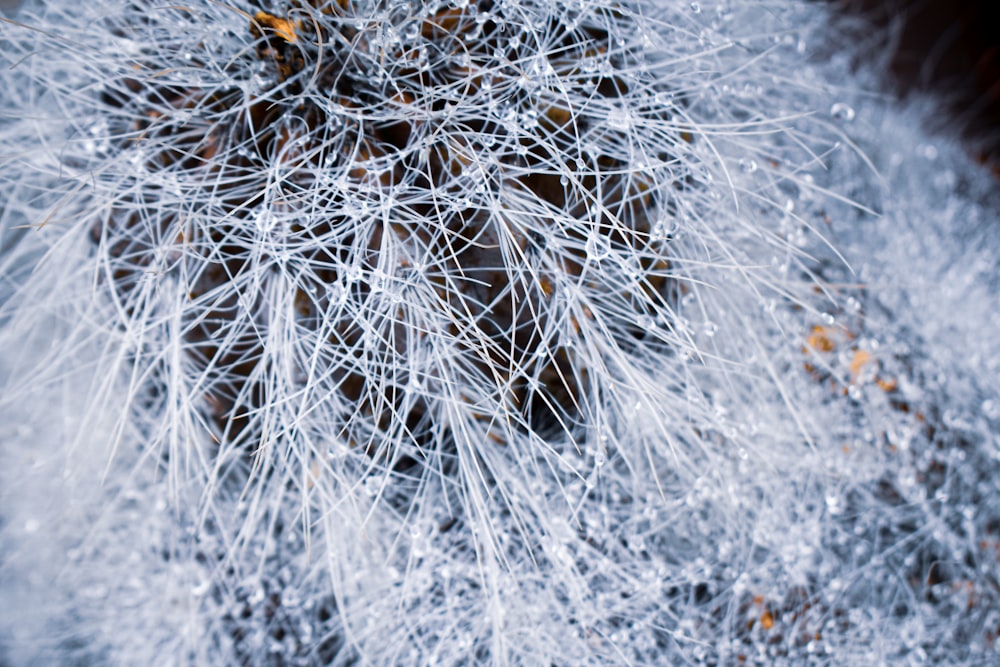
(402, 332)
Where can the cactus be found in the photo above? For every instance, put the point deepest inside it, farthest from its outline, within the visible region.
(395, 332)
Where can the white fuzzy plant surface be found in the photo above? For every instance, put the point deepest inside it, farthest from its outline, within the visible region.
(510, 332)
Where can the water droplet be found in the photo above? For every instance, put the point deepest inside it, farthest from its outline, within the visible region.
(619, 119)
(748, 166)
(337, 294)
(842, 112)
(597, 247)
(379, 281)
(422, 58)
(663, 230)
(928, 152)
(353, 273)
(264, 220)
(696, 7)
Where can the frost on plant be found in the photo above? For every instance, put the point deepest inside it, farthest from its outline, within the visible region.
(512, 332)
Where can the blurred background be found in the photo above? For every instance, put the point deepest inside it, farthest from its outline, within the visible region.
(950, 48)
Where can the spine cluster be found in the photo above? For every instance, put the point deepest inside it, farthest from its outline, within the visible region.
(401, 332)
